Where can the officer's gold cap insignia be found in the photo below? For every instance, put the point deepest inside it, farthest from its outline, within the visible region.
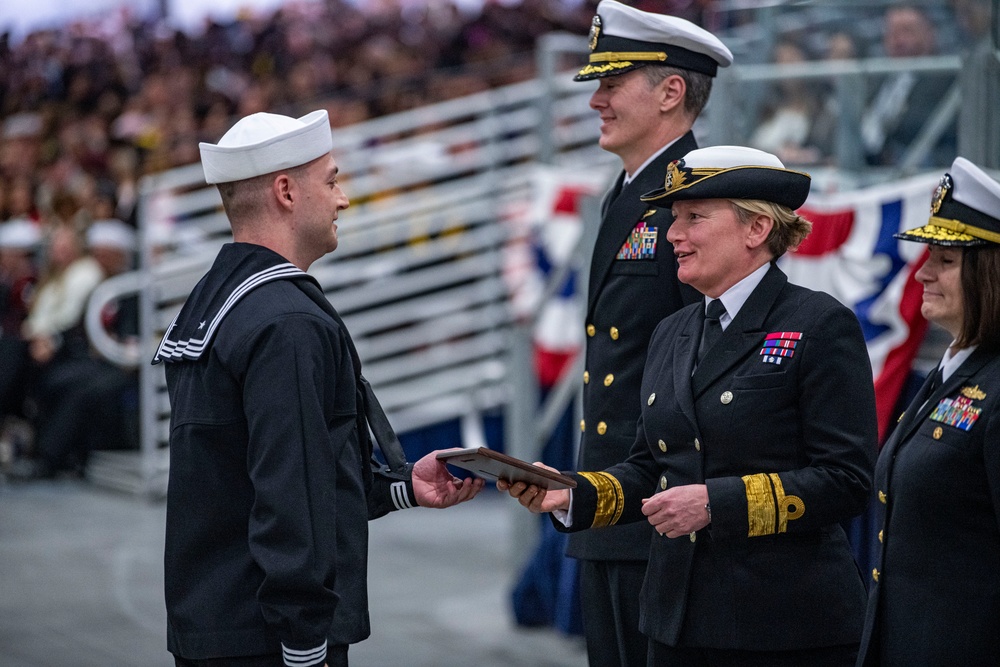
(595, 31)
(975, 393)
(675, 177)
(944, 185)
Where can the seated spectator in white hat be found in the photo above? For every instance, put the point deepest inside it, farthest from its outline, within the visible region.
(19, 241)
(113, 244)
(58, 346)
(272, 479)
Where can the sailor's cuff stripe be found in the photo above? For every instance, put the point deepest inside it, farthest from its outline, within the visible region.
(400, 498)
(304, 658)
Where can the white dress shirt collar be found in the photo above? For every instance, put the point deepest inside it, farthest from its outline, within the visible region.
(737, 295)
(951, 361)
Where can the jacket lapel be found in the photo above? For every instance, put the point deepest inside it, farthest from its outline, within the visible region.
(611, 195)
(685, 351)
(624, 212)
(743, 334)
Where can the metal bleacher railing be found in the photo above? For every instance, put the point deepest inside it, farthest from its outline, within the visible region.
(419, 275)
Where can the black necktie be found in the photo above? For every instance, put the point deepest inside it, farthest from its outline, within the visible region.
(712, 328)
(937, 377)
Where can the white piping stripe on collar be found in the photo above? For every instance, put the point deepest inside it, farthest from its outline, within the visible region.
(192, 348)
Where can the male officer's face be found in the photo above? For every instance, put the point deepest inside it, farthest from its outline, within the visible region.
(941, 276)
(628, 109)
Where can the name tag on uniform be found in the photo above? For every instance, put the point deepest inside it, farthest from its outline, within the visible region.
(641, 243)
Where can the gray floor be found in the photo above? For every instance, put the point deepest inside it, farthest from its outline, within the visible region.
(81, 577)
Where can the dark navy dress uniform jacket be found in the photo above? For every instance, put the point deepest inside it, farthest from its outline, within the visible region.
(935, 595)
(786, 451)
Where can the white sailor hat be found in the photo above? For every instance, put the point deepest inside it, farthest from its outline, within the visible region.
(731, 172)
(20, 234)
(263, 143)
(965, 209)
(623, 38)
(111, 233)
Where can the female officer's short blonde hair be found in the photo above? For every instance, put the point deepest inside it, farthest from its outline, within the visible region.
(789, 230)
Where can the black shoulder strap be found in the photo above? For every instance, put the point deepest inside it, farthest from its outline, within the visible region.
(379, 424)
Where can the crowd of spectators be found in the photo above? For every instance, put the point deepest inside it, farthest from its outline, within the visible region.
(797, 118)
(89, 108)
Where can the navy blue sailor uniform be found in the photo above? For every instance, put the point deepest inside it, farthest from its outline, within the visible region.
(272, 478)
(778, 420)
(938, 485)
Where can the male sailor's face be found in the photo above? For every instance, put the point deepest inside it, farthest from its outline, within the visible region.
(324, 199)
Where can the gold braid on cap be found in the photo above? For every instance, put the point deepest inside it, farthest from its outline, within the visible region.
(601, 69)
(617, 56)
(965, 230)
(610, 498)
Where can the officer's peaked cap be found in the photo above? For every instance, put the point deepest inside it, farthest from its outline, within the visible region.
(623, 38)
(731, 172)
(965, 209)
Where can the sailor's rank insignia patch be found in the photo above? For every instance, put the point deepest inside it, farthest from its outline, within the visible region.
(958, 412)
(779, 345)
(641, 243)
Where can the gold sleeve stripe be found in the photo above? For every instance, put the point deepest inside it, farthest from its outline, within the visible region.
(760, 505)
(789, 507)
(779, 494)
(618, 56)
(610, 498)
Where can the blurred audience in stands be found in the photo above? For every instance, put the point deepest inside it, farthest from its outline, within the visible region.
(903, 103)
(88, 109)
